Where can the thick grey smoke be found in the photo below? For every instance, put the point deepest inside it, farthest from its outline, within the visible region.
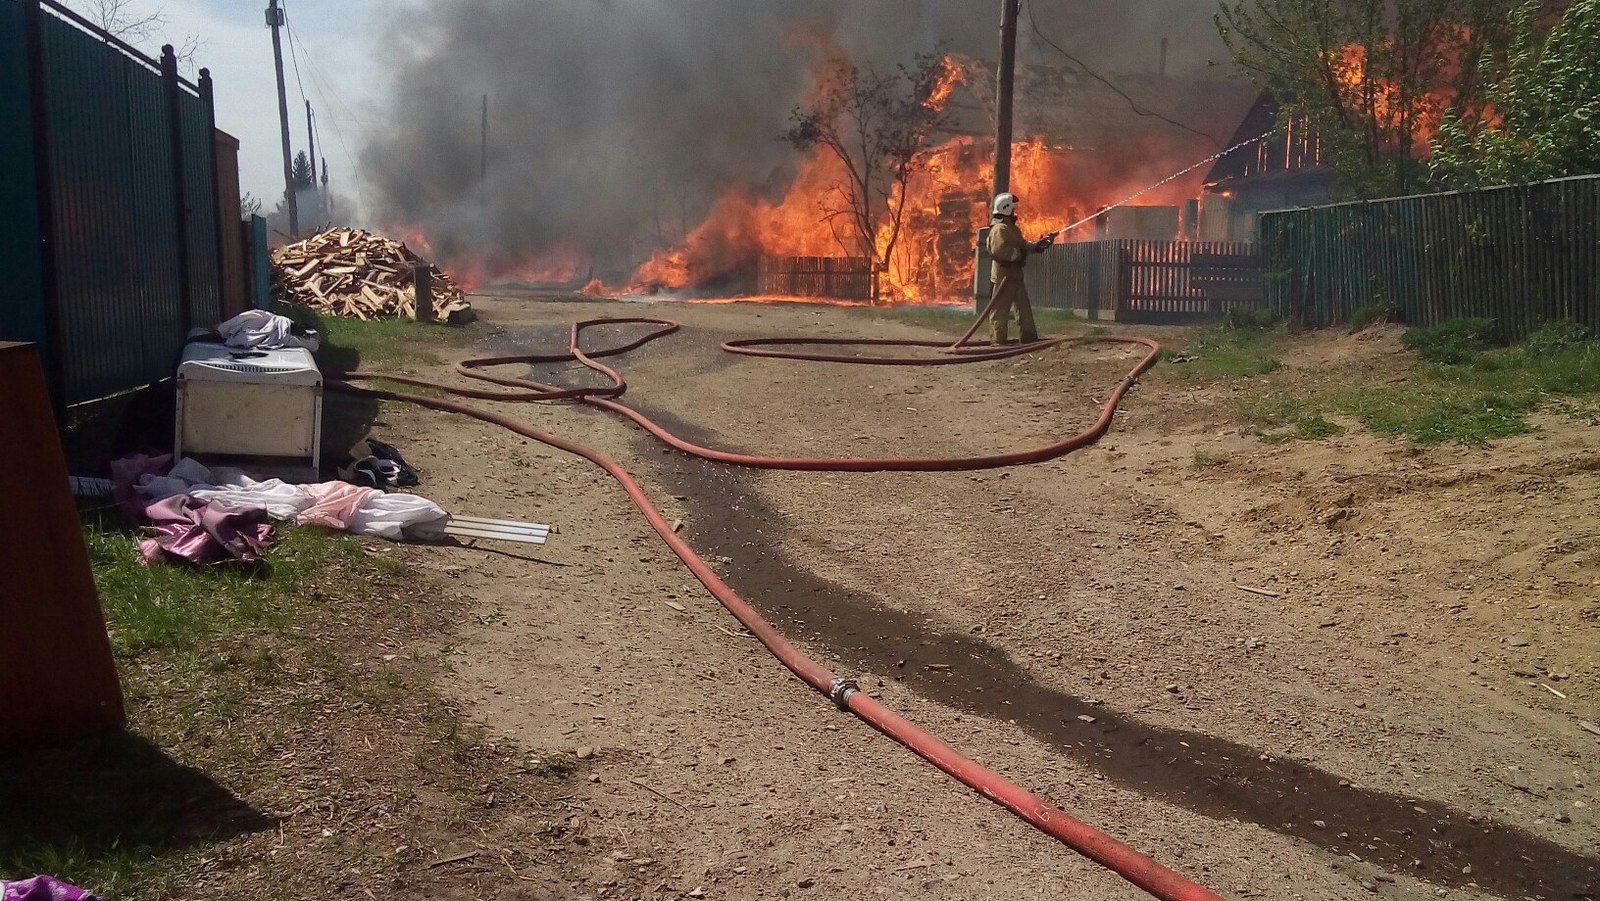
(613, 123)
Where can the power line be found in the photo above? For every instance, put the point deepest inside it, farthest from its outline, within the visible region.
(293, 57)
(1132, 104)
(322, 89)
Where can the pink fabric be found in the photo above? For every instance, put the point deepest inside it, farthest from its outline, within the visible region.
(43, 888)
(126, 473)
(333, 504)
(184, 528)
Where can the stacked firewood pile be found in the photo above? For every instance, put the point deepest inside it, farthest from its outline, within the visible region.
(350, 272)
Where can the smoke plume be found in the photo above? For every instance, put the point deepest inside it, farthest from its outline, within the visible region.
(615, 124)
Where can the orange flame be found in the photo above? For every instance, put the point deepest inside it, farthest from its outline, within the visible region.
(931, 258)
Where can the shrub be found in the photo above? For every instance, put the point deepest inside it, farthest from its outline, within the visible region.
(1452, 342)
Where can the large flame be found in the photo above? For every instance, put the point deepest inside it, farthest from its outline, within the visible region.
(929, 260)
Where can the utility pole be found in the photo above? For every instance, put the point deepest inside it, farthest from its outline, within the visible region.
(1007, 79)
(311, 151)
(483, 168)
(275, 22)
(327, 199)
(311, 155)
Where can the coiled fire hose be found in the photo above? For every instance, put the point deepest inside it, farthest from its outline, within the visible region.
(1147, 874)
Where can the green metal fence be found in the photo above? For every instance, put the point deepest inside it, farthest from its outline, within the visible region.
(114, 240)
(1521, 255)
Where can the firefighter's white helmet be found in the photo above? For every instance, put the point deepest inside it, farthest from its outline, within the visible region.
(1005, 205)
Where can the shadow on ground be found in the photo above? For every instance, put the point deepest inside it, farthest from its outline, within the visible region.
(109, 795)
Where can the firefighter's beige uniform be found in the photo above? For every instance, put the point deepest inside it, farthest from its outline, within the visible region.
(1010, 250)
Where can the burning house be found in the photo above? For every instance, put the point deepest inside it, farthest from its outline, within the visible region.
(643, 152)
(1285, 170)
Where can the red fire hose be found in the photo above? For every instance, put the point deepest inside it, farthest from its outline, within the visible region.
(1149, 875)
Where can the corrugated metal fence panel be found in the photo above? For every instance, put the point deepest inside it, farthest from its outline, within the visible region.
(115, 227)
(22, 310)
(200, 185)
(1522, 255)
(119, 289)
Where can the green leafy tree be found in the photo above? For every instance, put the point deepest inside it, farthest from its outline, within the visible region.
(300, 173)
(1373, 77)
(1543, 116)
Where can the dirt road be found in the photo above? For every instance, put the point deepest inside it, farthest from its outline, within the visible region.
(1395, 708)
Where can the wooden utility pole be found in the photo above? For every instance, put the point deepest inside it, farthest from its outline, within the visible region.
(311, 140)
(275, 22)
(483, 158)
(311, 155)
(1007, 79)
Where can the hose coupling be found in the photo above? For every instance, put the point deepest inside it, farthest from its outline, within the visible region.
(840, 690)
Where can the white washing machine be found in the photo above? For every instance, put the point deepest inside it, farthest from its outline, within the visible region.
(261, 407)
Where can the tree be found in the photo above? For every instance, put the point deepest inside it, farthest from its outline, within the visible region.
(133, 22)
(249, 205)
(300, 173)
(1375, 78)
(876, 125)
(1544, 112)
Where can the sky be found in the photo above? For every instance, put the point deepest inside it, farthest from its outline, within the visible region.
(335, 42)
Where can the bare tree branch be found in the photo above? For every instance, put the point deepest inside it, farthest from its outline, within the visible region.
(876, 126)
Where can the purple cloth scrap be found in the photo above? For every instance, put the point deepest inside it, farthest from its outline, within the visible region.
(186, 529)
(125, 474)
(43, 888)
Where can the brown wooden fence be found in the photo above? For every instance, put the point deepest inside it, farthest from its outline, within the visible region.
(1521, 255)
(1147, 281)
(845, 278)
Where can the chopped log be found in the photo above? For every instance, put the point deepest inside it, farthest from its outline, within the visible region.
(350, 272)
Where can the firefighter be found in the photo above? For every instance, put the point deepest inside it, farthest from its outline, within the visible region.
(1010, 250)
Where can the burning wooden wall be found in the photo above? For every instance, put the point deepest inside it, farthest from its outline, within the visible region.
(844, 278)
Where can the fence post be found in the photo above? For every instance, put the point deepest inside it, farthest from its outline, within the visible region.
(180, 187)
(1124, 283)
(209, 99)
(422, 287)
(39, 114)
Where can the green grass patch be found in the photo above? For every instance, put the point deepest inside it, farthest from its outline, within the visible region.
(200, 651)
(349, 344)
(1281, 416)
(176, 608)
(1469, 392)
(1226, 354)
(1440, 412)
(1316, 428)
(1374, 313)
(1463, 390)
(1452, 342)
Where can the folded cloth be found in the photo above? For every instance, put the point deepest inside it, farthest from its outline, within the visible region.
(204, 532)
(43, 888)
(261, 330)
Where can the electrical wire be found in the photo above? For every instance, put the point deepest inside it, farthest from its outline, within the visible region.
(294, 57)
(1132, 104)
(323, 89)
